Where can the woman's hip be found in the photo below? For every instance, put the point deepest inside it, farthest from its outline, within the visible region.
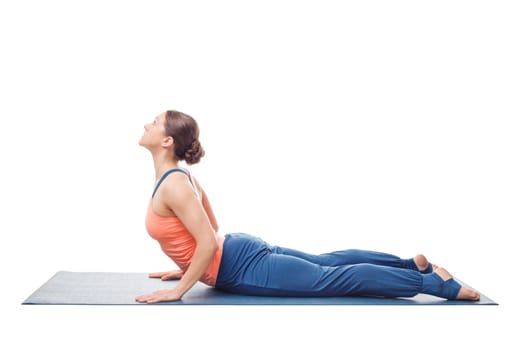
(240, 251)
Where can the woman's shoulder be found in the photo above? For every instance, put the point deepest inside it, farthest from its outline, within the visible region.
(180, 180)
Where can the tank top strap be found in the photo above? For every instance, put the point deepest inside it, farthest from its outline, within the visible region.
(163, 177)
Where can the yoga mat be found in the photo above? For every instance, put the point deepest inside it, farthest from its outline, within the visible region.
(111, 288)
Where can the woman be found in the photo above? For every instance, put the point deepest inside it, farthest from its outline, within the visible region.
(181, 219)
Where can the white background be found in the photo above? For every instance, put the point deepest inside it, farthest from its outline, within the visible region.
(385, 125)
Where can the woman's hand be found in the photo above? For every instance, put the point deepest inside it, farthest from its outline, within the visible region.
(168, 275)
(158, 296)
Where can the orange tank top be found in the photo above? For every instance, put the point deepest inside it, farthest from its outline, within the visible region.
(177, 242)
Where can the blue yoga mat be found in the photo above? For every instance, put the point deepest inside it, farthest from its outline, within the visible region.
(111, 288)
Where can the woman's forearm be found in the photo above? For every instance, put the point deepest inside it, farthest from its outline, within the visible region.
(199, 264)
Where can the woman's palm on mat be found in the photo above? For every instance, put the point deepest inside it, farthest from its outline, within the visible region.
(168, 275)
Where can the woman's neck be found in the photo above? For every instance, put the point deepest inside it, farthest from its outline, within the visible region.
(163, 162)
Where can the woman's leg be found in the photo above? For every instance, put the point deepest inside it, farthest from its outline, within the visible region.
(286, 275)
(357, 256)
(249, 266)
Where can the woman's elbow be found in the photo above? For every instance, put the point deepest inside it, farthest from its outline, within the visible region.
(211, 246)
(214, 246)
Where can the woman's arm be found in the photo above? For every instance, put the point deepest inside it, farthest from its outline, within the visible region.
(178, 195)
(207, 207)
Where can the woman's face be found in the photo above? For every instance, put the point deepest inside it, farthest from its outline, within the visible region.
(154, 132)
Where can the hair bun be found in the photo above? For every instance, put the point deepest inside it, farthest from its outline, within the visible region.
(194, 153)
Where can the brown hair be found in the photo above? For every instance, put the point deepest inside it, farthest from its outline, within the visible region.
(185, 133)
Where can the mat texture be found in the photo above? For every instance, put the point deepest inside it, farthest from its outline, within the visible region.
(111, 288)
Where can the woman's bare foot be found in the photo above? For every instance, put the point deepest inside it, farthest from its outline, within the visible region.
(422, 263)
(464, 293)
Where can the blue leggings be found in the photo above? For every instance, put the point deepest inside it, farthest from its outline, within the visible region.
(250, 266)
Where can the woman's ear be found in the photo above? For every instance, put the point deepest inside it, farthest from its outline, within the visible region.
(168, 141)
